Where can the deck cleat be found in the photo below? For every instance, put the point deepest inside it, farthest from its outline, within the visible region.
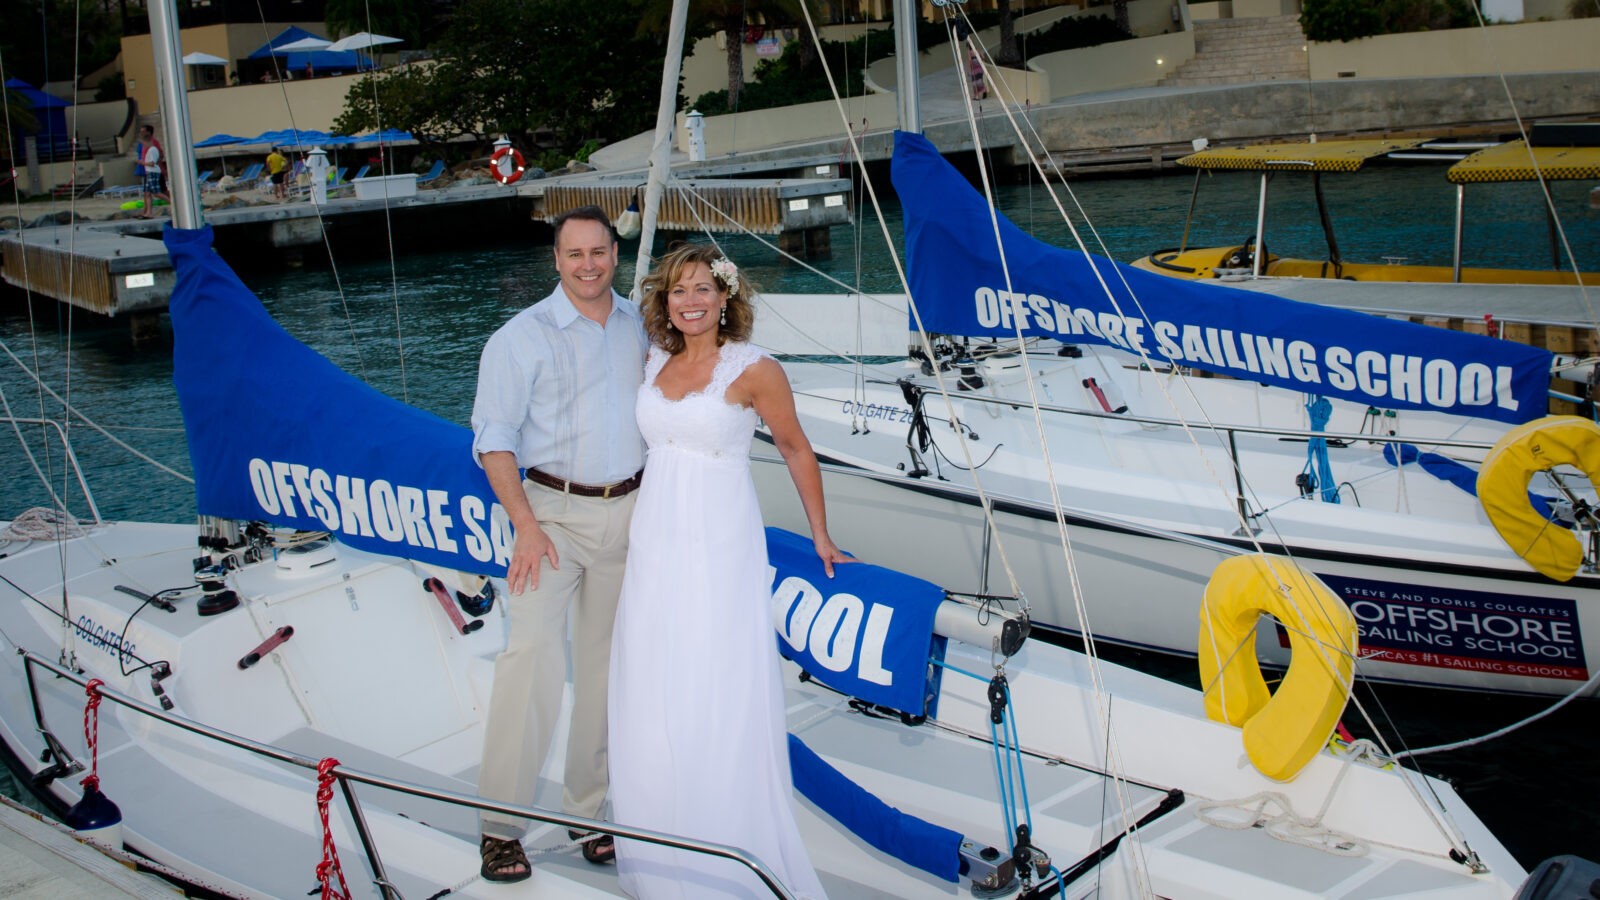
(993, 874)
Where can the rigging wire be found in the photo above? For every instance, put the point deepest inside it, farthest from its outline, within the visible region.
(1091, 651)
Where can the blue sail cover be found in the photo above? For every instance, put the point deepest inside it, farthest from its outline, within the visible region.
(867, 632)
(279, 434)
(960, 287)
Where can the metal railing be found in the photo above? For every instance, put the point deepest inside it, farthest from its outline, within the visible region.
(347, 777)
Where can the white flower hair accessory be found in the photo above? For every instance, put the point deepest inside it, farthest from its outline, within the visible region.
(727, 273)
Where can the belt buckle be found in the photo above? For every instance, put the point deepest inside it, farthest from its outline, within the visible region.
(605, 492)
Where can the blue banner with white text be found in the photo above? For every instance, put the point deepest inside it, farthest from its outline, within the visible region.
(867, 631)
(279, 434)
(960, 288)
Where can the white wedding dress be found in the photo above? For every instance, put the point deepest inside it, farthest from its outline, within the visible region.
(698, 739)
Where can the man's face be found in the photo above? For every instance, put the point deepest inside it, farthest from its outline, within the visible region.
(586, 258)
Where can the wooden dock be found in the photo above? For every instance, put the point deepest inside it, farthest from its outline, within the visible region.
(44, 860)
(120, 267)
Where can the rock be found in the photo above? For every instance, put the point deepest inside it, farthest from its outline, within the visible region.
(10, 223)
(61, 217)
(534, 172)
(575, 166)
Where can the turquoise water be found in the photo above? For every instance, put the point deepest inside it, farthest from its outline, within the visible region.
(1537, 788)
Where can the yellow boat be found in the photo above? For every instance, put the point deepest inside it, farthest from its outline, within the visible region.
(1513, 161)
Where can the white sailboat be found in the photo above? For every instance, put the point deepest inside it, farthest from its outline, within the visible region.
(1348, 441)
(319, 635)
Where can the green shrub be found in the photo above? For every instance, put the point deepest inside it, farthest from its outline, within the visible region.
(786, 80)
(1070, 34)
(1347, 20)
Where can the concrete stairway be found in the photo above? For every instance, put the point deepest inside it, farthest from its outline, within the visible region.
(1242, 51)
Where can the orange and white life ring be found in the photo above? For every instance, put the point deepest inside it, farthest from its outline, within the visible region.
(503, 172)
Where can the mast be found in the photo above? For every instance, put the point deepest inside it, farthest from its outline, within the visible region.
(174, 115)
(661, 150)
(907, 103)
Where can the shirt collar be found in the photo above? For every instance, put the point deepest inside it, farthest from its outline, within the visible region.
(565, 312)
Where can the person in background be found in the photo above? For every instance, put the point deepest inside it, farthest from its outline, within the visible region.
(152, 163)
(278, 171)
(975, 79)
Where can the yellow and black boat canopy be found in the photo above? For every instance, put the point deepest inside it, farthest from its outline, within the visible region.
(1323, 156)
(1515, 161)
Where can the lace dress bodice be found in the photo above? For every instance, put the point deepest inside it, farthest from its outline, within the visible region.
(703, 422)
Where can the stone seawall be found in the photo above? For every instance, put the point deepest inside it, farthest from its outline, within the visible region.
(1296, 109)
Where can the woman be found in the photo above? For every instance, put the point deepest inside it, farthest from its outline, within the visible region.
(975, 79)
(698, 745)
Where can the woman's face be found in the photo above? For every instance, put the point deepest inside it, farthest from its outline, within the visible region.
(695, 302)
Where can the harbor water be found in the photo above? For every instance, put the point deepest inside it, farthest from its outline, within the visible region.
(413, 328)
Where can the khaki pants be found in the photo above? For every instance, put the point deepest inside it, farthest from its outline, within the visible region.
(591, 540)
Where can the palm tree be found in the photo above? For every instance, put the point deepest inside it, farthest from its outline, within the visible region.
(20, 117)
(1008, 54)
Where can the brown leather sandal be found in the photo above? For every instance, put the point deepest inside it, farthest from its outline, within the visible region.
(501, 860)
(601, 850)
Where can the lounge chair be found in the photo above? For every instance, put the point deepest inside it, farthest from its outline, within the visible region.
(431, 174)
(248, 178)
(77, 190)
(349, 185)
(118, 192)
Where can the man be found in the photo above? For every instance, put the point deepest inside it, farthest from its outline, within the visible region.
(151, 165)
(556, 391)
(277, 164)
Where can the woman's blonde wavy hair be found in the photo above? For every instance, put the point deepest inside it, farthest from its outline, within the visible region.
(741, 312)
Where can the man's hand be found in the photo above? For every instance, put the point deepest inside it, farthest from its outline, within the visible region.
(532, 545)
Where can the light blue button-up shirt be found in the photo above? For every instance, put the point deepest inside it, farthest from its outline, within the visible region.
(558, 390)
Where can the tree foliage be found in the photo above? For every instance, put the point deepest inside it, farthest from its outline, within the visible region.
(395, 18)
(1347, 20)
(524, 68)
(798, 77)
(56, 40)
(731, 17)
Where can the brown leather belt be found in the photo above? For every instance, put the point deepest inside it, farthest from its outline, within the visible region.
(604, 491)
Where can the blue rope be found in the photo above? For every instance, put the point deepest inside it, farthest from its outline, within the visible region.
(1008, 761)
(1317, 463)
(957, 669)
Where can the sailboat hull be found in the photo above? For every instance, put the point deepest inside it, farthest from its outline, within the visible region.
(1439, 599)
(377, 677)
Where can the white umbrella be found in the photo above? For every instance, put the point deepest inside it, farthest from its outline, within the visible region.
(203, 59)
(362, 40)
(303, 45)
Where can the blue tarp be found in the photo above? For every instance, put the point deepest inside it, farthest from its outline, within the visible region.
(960, 287)
(221, 140)
(331, 454)
(319, 60)
(1459, 474)
(52, 138)
(867, 631)
(931, 848)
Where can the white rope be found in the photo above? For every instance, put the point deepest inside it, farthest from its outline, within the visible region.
(1581, 690)
(1273, 813)
(41, 523)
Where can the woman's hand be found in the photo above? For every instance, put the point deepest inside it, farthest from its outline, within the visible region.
(830, 554)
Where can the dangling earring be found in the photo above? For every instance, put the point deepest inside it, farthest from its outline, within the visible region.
(670, 326)
(723, 319)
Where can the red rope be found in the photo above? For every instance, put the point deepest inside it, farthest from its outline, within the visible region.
(329, 867)
(91, 733)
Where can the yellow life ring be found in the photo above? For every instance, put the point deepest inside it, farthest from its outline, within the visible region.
(1503, 488)
(1283, 730)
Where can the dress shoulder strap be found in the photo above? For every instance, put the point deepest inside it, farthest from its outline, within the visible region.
(735, 358)
(653, 362)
